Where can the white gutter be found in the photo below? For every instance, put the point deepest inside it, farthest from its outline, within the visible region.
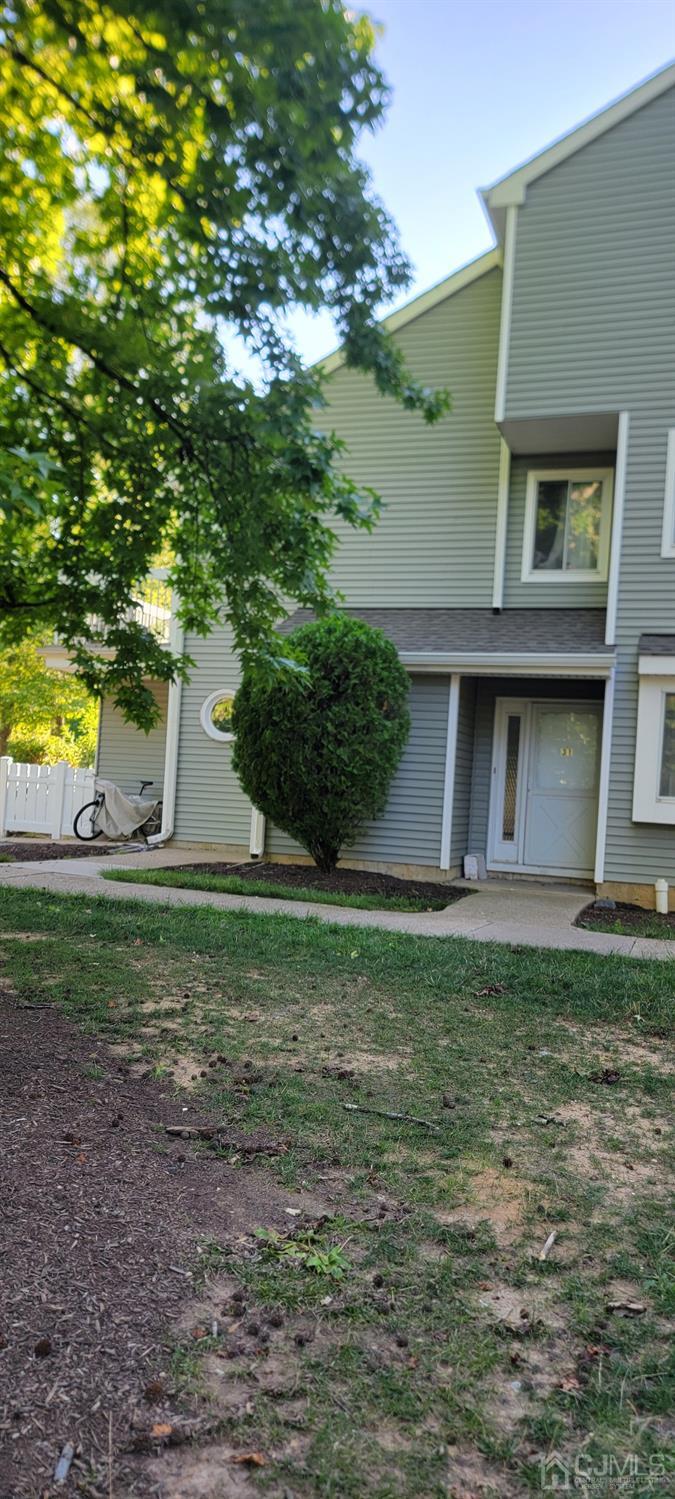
(176, 642)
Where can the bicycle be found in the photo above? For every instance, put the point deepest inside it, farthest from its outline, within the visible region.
(85, 828)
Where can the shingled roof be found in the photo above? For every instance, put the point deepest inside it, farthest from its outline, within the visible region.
(517, 631)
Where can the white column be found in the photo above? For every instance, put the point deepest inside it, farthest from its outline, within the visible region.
(450, 759)
(603, 789)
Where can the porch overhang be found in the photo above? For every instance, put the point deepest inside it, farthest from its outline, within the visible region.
(480, 642)
(514, 664)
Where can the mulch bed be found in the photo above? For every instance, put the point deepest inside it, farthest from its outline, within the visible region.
(632, 919)
(344, 880)
(100, 1218)
(28, 849)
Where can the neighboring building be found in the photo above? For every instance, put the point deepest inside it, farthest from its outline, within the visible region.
(525, 562)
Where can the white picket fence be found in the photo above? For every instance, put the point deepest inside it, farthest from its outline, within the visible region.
(42, 798)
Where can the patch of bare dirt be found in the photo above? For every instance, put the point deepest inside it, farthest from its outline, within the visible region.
(102, 1219)
(521, 1309)
(655, 1052)
(633, 1170)
(470, 1475)
(29, 850)
(493, 1196)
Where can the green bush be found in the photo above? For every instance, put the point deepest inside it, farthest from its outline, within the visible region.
(316, 750)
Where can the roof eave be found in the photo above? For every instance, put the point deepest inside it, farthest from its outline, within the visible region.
(510, 191)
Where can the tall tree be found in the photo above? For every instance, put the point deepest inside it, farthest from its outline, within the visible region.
(44, 714)
(174, 175)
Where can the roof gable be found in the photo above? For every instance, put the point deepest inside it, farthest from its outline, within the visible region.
(425, 301)
(510, 191)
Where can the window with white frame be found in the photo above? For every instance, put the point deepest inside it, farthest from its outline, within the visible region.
(568, 515)
(668, 543)
(654, 783)
(216, 716)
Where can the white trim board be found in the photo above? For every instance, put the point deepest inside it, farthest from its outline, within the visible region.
(521, 664)
(605, 765)
(505, 312)
(451, 284)
(450, 762)
(617, 527)
(668, 537)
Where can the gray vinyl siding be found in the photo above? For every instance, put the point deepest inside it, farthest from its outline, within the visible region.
(210, 804)
(410, 830)
(593, 329)
(488, 689)
(544, 595)
(434, 543)
(126, 755)
(461, 803)
(592, 313)
(639, 853)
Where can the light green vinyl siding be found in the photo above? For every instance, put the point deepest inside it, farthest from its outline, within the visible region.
(544, 594)
(126, 755)
(461, 804)
(434, 544)
(410, 830)
(593, 329)
(210, 804)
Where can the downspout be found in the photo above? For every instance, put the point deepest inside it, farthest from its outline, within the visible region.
(176, 643)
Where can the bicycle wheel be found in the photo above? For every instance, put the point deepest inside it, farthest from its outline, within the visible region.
(84, 826)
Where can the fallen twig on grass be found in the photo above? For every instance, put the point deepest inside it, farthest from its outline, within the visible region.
(362, 1108)
(544, 1253)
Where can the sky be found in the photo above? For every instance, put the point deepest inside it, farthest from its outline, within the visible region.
(478, 87)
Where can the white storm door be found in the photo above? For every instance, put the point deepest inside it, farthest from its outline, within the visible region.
(507, 796)
(562, 787)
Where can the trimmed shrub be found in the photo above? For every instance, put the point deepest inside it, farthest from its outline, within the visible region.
(316, 750)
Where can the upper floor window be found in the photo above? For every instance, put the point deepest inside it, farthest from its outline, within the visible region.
(567, 525)
(668, 543)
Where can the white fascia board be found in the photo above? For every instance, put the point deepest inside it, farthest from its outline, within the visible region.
(424, 302)
(512, 189)
(656, 666)
(516, 663)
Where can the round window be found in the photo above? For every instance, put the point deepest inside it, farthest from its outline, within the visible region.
(216, 716)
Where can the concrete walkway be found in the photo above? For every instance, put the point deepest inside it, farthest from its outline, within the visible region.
(529, 915)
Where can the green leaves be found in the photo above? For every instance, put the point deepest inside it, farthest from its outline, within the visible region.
(173, 177)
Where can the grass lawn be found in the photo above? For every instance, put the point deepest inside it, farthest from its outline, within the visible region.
(232, 884)
(447, 1357)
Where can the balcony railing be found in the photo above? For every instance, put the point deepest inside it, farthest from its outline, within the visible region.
(151, 608)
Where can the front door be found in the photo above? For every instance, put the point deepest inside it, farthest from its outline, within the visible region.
(544, 797)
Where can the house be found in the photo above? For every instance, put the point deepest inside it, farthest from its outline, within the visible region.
(524, 565)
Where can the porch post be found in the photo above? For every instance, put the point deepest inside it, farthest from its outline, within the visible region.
(450, 759)
(603, 788)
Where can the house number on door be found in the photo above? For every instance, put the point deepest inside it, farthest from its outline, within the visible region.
(566, 751)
